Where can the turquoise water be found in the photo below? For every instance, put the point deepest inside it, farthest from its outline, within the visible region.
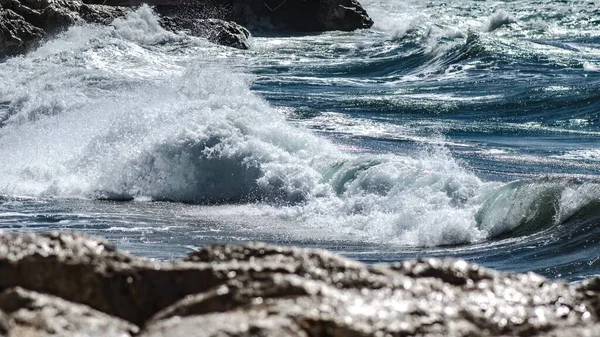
(464, 129)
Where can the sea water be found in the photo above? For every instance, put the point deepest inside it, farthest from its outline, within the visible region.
(449, 129)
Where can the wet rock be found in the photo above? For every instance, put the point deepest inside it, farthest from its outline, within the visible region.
(343, 15)
(29, 313)
(271, 15)
(262, 290)
(301, 15)
(23, 24)
(16, 34)
(214, 30)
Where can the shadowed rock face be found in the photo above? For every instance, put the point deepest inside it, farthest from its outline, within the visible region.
(301, 15)
(258, 290)
(287, 15)
(25, 23)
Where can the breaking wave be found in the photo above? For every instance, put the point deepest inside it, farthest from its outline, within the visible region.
(117, 113)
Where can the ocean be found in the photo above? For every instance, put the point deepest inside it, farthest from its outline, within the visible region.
(466, 129)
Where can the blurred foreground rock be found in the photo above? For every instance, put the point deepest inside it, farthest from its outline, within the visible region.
(71, 285)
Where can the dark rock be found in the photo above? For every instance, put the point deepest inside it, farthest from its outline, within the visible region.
(290, 15)
(343, 15)
(214, 30)
(301, 15)
(23, 24)
(32, 314)
(16, 34)
(261, 290)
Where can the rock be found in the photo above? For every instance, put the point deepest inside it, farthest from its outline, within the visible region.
(262, 290)
(321, 295)
(92, 272)
(345, 15)
(240, 324)
(32, 314)
(270, 15)
(16, 34)
(214, 30)
(300, 15)
(23, 24)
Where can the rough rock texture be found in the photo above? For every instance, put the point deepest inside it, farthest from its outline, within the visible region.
(92, 272)
(28, 313)
(217, 31)
(291, 15)
(261, 290)
(25, 23)
(278, 15)
(16, 33)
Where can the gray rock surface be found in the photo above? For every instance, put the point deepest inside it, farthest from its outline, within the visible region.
(90, 271)
(28, 313)
(261, 290)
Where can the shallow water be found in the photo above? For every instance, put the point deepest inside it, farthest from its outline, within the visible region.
(448, 129)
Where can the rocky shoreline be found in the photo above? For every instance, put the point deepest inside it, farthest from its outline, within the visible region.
(65, 284)
(25, 23)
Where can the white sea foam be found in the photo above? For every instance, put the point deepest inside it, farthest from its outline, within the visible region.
(113, 112)
(499, 19)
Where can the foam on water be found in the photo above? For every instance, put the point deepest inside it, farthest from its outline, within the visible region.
(114, 112)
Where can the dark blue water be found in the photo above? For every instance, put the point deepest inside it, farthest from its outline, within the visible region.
(460, 128)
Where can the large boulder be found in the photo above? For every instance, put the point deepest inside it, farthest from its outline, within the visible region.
(262, 290)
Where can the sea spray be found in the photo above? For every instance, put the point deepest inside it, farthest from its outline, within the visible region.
(133, 112)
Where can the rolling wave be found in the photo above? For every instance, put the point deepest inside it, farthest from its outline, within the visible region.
(529, 207)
